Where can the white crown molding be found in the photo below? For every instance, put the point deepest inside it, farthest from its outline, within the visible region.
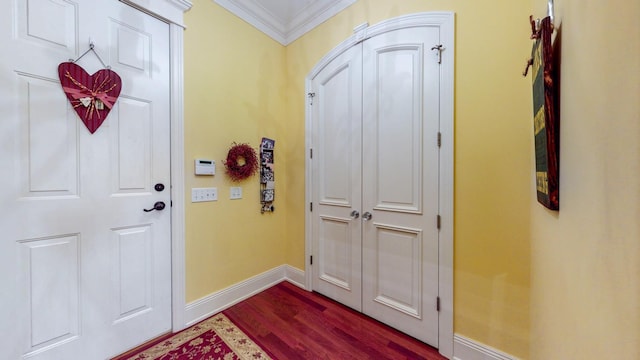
(284, 30)
(312, 17)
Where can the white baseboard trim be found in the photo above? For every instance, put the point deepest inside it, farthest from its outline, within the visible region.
(295, 276)
(467, 349)
(463, 347)
(220, 300)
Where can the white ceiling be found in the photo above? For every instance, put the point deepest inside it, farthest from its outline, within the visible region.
(285, 20)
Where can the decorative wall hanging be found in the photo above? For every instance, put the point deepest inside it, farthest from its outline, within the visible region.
(546, 122)
(241, 162)
(91, 96)
(267, 179)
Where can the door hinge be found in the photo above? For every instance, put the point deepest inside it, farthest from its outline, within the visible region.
(438, 303)
(439, 221)
(311, 206)
(311, 95)
(311, 153)
(311, 260)
(439, 139)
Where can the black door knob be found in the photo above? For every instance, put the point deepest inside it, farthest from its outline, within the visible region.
(159, 205)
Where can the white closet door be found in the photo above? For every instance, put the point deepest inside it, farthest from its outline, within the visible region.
(400, 180)
(337, 139)
(86, 273)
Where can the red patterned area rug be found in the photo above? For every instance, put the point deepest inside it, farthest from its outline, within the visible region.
(216, 338)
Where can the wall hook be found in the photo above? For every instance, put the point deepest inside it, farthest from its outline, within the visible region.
(91, 48)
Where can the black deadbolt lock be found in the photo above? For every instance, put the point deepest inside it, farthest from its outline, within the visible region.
(159, 187)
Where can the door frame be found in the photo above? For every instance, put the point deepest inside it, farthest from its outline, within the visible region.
(446, 22)
(172, 12)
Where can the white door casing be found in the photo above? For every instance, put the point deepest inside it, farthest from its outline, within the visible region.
(86, 271)
(386, 229)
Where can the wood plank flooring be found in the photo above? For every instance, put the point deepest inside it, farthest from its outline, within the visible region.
(292, 323)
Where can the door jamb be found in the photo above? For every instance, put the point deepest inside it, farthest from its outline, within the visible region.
(446, 22)
(172, 12)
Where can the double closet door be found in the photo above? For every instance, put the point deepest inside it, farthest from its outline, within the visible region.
(375, 123)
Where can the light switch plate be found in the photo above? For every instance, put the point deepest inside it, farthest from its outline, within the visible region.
(235, 193)
(204, 194)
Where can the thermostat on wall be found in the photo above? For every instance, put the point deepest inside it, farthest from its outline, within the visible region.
(205, 167)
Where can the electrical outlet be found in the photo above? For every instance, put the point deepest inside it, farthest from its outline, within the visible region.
(204, 194)
(235, 193)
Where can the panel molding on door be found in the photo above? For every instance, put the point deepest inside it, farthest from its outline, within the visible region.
(337, 229)
(399, 130)
(391, 289)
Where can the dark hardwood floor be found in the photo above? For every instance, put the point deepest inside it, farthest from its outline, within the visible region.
(292, 323)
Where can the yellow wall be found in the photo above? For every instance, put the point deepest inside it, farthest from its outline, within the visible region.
(240, 85)
(234, 91)
(585, 260)
(493, 176)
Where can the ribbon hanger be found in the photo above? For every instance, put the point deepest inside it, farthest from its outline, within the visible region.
(92, 49)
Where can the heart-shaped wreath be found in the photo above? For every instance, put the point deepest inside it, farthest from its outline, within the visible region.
(241, 162)
(92, 96)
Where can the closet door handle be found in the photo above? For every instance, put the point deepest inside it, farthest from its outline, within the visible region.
(367, 216)
(354, 214)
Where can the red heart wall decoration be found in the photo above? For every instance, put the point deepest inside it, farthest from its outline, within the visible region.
(92, 96)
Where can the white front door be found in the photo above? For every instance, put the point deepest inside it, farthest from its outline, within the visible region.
(375, 171)
(85, 272)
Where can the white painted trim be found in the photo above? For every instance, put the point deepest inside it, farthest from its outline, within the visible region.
(295, 276)
(178, 266)
(220, 300)
(173, 11)
(303, 24)
(308, 183)
(440, 19)
(467, 349)
(284, 31)
(257, 18)
(446, 22)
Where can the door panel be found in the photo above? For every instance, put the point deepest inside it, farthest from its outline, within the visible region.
(336, 173)
(43, 139)
(396, 127)
(335, 252)
(400, 188)
(50, 269)
(132, 147)
(86, 271)
(397, 269)
(133, 280)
